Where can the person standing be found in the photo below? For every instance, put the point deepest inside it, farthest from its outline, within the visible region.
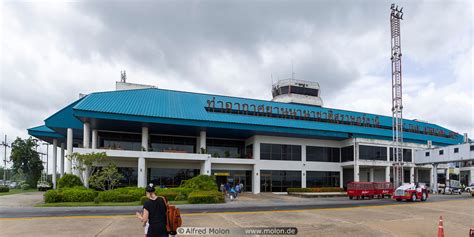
(237, 190)
(241, 187)
(154, 213)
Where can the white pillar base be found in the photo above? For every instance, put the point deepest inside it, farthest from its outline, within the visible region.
(206, 167)
(202, 141)
(387, 173)
(55, 160)
(61, 163)
(412, 174)
(141, 172)
(303, 178)
(435, 178)
(69, 151)
(371, 174)
(256, 179)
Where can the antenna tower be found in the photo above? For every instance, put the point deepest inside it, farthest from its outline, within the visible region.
(123, 76)
(397, 107)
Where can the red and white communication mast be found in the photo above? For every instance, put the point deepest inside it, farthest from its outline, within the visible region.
(396, 15)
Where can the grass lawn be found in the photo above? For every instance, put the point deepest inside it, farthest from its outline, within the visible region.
(18, 190)
(85, 204)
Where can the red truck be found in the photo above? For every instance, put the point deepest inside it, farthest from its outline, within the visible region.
(411, 192)
(360, 190)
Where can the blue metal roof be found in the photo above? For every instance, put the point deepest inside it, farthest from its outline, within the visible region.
(64, 119)
(185, 108)
(44, 133)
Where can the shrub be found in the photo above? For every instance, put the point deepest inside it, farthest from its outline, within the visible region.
(315, 190)
(180, 197)
(4, 189)
(108, 196)
(25, 186)
(125, 198)
(206, 197)
(96, 200)
(132, 194)
(69, 181)
(53, 196)
(182, 191)
(143, 200)
(136, 193)
(200, 182)
(168, 193)
(78, 195)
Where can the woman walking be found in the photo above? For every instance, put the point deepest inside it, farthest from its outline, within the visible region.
(154, 214)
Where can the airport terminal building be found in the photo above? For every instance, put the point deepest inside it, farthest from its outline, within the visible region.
(165, 136)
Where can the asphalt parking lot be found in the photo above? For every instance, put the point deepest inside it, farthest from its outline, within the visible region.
(401, 219)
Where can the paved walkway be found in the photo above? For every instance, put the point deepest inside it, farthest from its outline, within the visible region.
(401, 219)
(28, 199)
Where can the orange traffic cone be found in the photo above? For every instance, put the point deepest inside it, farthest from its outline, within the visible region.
(440, 227)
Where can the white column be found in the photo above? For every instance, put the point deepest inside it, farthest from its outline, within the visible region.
(435, 178)
(303, 178)
(202, 140)
(447, 176)
(145, 138)
(95, 135)
(341, 178)
(371, 174)
(356, 162)
(387, 173)
(61, 162)
(255, 179)
(86, 138)
(431, 178)
(471, 176)
(412, 174)
(206, 167)
(303, 170)
(141, 172)
(69, 151)
(55, 160)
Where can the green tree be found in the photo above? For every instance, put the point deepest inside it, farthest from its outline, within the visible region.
(107, 178)
(87, 164)
(26, 160)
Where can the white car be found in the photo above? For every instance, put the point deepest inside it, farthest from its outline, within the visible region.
(469, 188)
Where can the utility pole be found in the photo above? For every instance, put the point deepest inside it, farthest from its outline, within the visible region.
(397, 106)
(5, 145)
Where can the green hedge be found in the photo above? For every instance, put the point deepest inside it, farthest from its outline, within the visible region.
(53, 196)
(168, 193)
(70, 195)
(4, 189)
(122, 194)
(315, 190)
(197, 197)
(78, 195)
(69, 181)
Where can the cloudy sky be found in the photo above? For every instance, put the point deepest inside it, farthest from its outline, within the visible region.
(51, 52)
